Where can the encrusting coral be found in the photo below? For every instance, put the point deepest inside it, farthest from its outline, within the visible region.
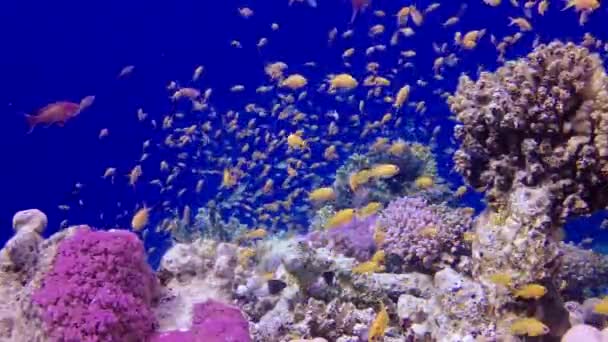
(534, 137)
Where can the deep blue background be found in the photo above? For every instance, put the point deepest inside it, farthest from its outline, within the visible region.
(65, 50)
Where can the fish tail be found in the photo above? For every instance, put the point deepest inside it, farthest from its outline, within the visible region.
(31, 122)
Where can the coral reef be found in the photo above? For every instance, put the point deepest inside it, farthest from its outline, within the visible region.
(100, 288)
(534, 137)
(582, 273)
(353, 239)
(212, 321)
(415, 160)
(424, 235)
(455, 310)
(539, 121)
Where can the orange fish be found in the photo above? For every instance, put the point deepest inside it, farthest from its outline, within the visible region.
(358, 7)
(55, 113)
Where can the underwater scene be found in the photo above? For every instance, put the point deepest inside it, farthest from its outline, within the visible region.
(304, 171)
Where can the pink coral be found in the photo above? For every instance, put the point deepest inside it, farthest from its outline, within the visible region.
(100, 288)
(212, 322)
(353, 239)
(419, 232)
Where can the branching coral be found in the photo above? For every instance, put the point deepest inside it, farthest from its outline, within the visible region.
(100, 288)
(421, 233)
(541, 119)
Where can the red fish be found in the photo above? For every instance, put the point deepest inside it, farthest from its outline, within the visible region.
(55, 113)
(358, 7)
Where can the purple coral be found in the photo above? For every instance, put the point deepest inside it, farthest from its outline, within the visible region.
(353, 239)
(99, 289)
(212, 321)
(419, 232)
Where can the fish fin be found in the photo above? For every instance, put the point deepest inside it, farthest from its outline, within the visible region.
(31, 122)
(354, 16)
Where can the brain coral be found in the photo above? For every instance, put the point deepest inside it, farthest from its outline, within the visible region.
(539, 120)
(100, 288)
(421, 233)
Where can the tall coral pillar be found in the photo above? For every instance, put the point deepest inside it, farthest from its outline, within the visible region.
(516, 240)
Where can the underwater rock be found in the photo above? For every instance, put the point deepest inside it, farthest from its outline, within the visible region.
(31, 220)
(586, 333)
(307, 264)
(395, 285)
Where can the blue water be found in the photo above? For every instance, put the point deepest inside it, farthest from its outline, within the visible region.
(66, 50)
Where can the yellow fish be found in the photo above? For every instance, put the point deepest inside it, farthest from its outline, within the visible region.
(229, 179)
(259, 233)
(140, 219)
(379, 325)
(384, 170)
(379, 235)
(601, 307)
(503, 279)
(296, 142)
(402, 96)
(529, 326)
(322, 195)
(341, 217)
(357, 179)
(424, 182)
(398, 148)
(522, 23)
(342, 81)
(294, 82)
(370, 209)
(531, 291)
(134, 175)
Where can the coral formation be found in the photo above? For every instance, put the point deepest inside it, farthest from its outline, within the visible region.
(212, 321)
(415, 160)
(582, 273)
(455, 310)
(534, 137)
(353, 239)
(421, 234)
(100, 288)
(540, 121)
